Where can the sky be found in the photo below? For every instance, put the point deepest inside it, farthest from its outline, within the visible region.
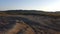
(45, 5)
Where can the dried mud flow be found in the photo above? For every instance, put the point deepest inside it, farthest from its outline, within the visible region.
(29, 24)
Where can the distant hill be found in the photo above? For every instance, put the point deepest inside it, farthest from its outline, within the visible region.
(30, 12)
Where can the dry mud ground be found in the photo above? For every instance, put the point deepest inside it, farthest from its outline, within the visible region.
(29, 24)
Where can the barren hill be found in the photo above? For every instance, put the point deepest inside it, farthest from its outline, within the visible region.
(29, 22)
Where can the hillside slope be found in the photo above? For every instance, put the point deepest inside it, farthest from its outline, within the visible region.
(29, 23)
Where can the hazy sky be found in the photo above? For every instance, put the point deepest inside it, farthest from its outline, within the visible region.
(46, 5)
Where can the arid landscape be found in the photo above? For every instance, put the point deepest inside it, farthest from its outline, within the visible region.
(29, 22)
